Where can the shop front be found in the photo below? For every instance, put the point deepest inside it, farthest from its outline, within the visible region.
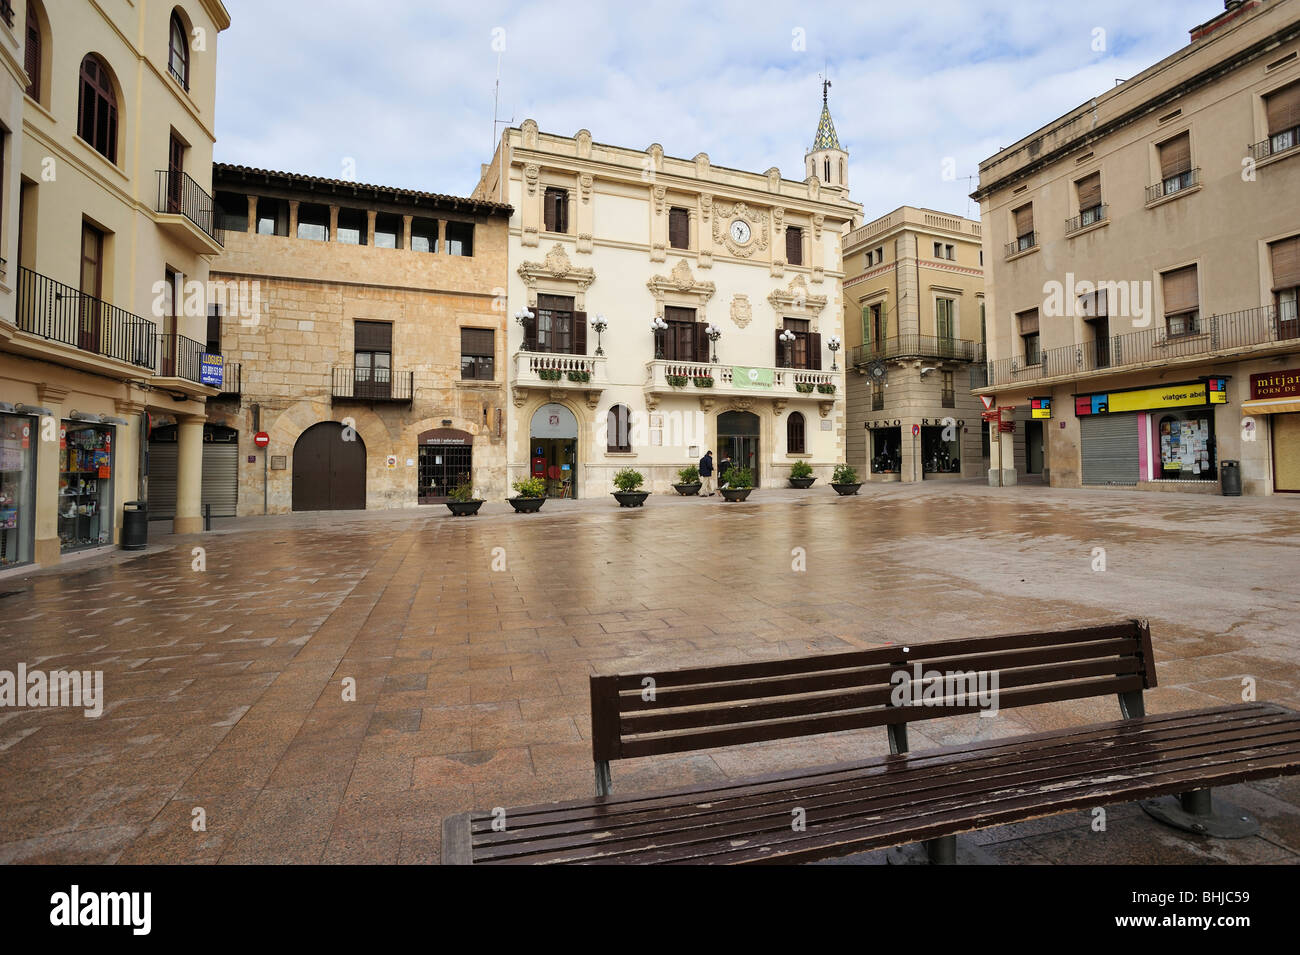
(553, 449)
(445, 459)
(85, 502)
(885, 449)
(1277, 395)
(940, 450)
(17, 489)
(1151, 435)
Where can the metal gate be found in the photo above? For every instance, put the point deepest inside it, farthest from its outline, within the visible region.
(220, 478)
(1109, 448)
(441, 468)
(329, 472)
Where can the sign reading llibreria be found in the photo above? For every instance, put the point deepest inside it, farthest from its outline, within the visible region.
(1275, 384)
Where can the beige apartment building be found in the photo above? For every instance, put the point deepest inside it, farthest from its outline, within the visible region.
(106, 231)
(1144, 261)
(664, 307)
(914, 324)
(368, 344)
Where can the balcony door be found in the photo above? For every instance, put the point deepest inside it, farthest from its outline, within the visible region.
(175, 173)
(92, 288)
(373, 365)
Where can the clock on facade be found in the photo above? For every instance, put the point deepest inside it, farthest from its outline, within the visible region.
(740, 231)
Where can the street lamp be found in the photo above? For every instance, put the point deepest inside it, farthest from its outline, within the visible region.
(834, 344)
(658, 326)
(787, 338)
(523, 317)
(713, 333)
(599, 324)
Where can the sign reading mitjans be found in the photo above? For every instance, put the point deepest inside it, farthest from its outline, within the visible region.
(1275, 384)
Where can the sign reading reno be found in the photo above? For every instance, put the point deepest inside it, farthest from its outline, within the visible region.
(743, 377)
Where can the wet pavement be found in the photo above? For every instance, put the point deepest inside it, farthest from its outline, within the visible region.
(225, 734)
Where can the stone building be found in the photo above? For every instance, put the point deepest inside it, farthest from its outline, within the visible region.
(106, 229)
(369, 344)
(913, 324)
(605, 241)
(1144, 264)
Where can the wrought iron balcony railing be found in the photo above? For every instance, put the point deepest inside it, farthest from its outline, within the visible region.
(231, 378)
(179, 357)
(1172, 185)
(919, 346)
(372, 384)
(1283, 142)
(1086, 218)
(61, 313)
(178, 194)
(1022, 244)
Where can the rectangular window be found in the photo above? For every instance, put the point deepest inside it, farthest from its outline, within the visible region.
(679, 228)
(272, 216)
(555, 209)
(213, 344)
(1175, 163)
(352, 228)
(1285, 258)
(1028, 326)
(388, 231)
(938, 250)
(794, 245)
(477, 353)
(684, 339)
(460, 238)
(557, 328)
(1283, 109)
(944, 309)
(1024, 226)
(806, 349)
(424, 235)
(1182, 302)
(950, 252)
(948, 394)
(877, 397)
(1088, 190)
(372, 359)
(313, 222)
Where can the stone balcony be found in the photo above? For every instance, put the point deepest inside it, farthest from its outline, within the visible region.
(558, 375)
(740, 385)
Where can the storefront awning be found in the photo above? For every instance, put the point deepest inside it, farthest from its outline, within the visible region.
(1271, 405)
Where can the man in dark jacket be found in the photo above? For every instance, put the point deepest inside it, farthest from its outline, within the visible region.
(706, 474)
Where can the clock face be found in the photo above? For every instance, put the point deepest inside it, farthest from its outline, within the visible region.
(740, 231)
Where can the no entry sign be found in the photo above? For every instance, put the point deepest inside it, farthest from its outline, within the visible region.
(261, 439)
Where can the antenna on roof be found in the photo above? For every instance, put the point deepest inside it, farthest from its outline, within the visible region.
(496, 99)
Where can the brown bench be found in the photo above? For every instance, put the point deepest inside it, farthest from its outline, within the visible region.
(904, 798)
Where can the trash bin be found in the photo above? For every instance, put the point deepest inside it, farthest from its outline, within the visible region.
(1230, 478)
(135, 525)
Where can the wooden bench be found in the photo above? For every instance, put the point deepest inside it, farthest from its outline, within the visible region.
(906, 797)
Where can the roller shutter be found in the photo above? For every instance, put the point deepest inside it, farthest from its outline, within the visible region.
(162, 480)
(1109, 445)
(220, 479)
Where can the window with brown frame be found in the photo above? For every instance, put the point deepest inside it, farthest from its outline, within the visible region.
(1024, 224)
(32, 54)
(97, 108)
(1182, 302)
(619, 438)
(805, 351)
(1027, 323)
(557, 328)
(794, 245)
(477, 354)
(1175, 163)
(178, 51)
(684, 339)
(555, 209)
(1285, 258)
(1088, 190)
(795, 434)
(1283, 111)
(679, 228)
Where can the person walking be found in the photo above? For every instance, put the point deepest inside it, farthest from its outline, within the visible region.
(723, 468)
(706, 473)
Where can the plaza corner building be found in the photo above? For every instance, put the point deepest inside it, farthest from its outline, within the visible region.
(662, 307)
(1143, 266)
(106, 220)
(367, 344)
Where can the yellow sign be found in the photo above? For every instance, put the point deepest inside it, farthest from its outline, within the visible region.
(1169, 397)
(1218, 397)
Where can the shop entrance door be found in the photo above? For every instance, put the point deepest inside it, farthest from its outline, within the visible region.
(445, 458)
(1286, 452)
(1034, 447)
(553, 449)
(738, 442)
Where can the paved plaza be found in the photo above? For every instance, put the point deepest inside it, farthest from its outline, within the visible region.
(470, 642)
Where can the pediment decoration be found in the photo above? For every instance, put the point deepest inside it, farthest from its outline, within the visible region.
(796, 300)
(557, 273)
(742, 313)
(681, 282)
(758, 223)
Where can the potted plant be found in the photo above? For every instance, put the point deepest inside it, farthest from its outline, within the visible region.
(629, 493)
(801, 475)
(581, 376)
(803, 387)
(532, 495)
(688, 479)
(549, 374)
(826, 389)
(676, 381)
(737, 483)
(845, 480)
(703, 381)
(462, 501)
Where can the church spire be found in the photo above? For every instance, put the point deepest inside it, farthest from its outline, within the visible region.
(825, 138)
(827, 159)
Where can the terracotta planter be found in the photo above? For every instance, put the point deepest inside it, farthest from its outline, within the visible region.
(526, 505)
(464, 508)
(847, 489)
(802, 483)
(688, 490)
(735, 493)
(631, 498)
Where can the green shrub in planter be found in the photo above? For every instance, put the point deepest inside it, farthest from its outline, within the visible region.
(703, 381)
(844, 475)
(549, 374)
(689, 475)
(628, 480)
(801, 469)
(738, 478)
(676, 381)
(530, 487)
(462, 493)
(582, 377)
(803, 387)
(826, 389)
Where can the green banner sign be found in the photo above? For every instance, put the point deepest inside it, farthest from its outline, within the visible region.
(752, 377)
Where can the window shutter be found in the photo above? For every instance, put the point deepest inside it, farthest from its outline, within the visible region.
(679, 230)
(794, 245)
(32, 55)
(530, 330)
(1089, 191)
(1024, 219)
(1176, 156)
(815, 351)
(549, 221)
(579, 333)
(1286, 263)
(373, 336)
(1283, 109)
(701, 343)
(477, 341)
(1028, 322)
(866, 325)
(1180, 290)
(780, 349)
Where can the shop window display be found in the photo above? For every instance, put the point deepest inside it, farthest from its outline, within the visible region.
(1187, 448)
(886, 445)
(17, 489)
(937, 455)
(85, 486)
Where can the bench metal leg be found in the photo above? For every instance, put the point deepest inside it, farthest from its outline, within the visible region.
(1131, 705)
(1197, 812)
(604, 782)
(942, 851)
(897, 738)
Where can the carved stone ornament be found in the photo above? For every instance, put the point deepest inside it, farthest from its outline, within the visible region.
(532, 172)
(758, 222)
(583, 139)
(778, 406)
(585, 181)
(825, 407)
(742, 313)
(681, 281)
(741, 404)
(796, 298)
(557, 270)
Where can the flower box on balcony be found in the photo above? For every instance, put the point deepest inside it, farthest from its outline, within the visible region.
(826, 389)
(703, 381)
(581, 377)
(676, 381)
(549, 374)
(803, 387)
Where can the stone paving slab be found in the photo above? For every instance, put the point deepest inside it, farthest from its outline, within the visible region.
(224, 689)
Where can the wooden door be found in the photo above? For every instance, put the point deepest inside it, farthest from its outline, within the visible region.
(175, 173)
(329, 472)
(92, 287)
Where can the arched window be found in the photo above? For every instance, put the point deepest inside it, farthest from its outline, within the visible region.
(827, 163)
(178, 51)
(97, 108)
(32, 53)
(620, 429)
(795, 443)
(842, 177)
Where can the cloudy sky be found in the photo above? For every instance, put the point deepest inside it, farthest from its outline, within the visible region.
(403, 88)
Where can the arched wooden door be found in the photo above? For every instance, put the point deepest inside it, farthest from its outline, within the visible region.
(329, 472)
